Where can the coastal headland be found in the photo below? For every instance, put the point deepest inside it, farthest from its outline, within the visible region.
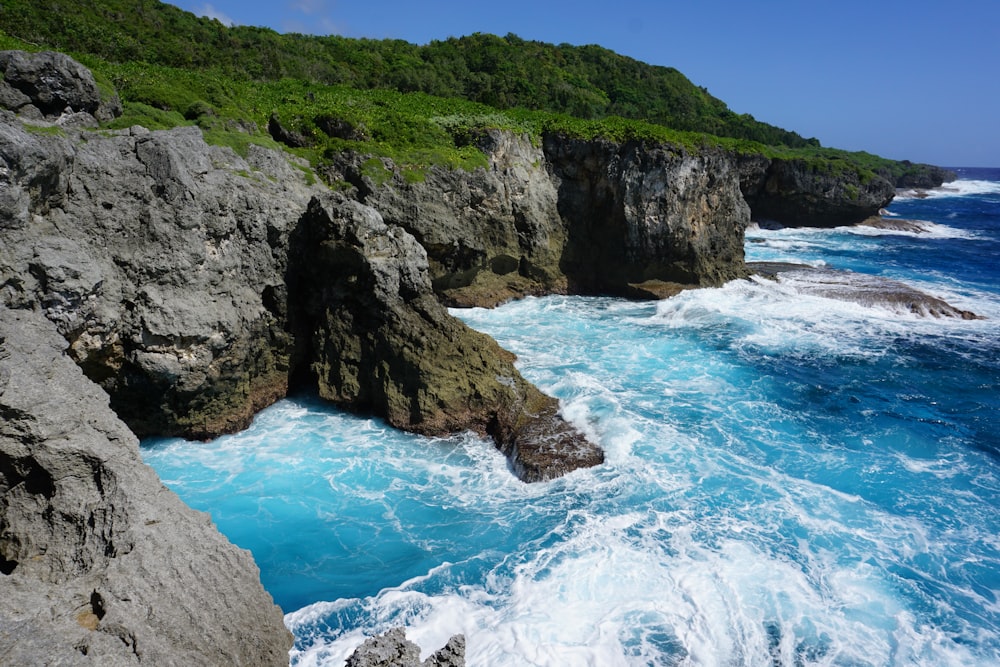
(154, 283)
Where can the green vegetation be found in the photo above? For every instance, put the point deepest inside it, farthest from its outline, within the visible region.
(417, 105)
(503, 72)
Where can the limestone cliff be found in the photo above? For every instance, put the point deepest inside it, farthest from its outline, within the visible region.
(161, 260)
(584, 216)
(799, 193)
(100, 564)
(380, 342)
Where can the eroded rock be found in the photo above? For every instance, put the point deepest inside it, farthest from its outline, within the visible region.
(393, 649)
(860, 288)
(99, 562)
(49, 84)
(380, 342)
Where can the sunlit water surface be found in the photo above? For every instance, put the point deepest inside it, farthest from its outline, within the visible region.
(790, 480)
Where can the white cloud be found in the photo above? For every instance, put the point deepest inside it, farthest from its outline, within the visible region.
(312, 7)
(317, 18)
(211, 12)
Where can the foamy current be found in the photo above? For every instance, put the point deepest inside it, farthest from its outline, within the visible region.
(790, 480)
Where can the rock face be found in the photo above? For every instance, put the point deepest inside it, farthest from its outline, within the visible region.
(381, 342)
(161, 260)
(797, 193)
(637, 212)
(569, 215)
(490, 235)
(165, 262)
(923, 176)
(393, 649)
(52, 85)
(100, 564)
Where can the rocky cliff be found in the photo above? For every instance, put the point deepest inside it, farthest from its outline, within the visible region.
(195, 286)
(583, 216)
(800, 193)
(100, 564)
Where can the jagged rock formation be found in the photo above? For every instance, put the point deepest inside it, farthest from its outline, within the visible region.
(393, 649)
(100, 564)
(637, 212)
(54, 86)
(172, 268)
(381, 342)
(798, 193)
(923, 176)
(568, 215)
(195, 286)
(490, 235)
(160, 258)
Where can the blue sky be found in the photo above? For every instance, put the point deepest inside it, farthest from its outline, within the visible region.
(913, 79)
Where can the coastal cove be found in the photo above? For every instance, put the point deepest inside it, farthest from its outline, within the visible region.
(438, 385)
(789, 477)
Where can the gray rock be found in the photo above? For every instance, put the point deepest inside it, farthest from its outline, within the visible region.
(100, 564)
(52, 81)
(161, 259)
(796, 193)
(490, 234)
(569, 215)
(860, 288)
(381, 342)
(393, 649)
(640, 212)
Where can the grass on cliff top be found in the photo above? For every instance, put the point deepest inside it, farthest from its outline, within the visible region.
(503, 72)
(416, 130)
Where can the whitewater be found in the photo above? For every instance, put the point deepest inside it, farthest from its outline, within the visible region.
(790, 479)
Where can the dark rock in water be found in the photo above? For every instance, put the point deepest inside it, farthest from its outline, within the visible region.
(924, 176)
(796, 193)
(895, 224)
(99, 562)
(380, 342)
(859, 288)
(393, 649)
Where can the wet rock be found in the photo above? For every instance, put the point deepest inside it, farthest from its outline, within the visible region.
(863, 289)
(896, 224)
(393, 649)
(380, 342)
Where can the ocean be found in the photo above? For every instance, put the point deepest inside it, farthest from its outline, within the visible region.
(791, 479)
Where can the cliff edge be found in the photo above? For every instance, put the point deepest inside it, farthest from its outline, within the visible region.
(100, 564)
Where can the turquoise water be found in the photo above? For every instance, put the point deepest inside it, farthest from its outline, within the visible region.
(790, 479)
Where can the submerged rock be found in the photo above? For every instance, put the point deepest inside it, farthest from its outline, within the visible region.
(896, 224)
(99, 562)
(860, 288)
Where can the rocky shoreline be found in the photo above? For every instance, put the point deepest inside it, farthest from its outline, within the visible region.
(153, 284)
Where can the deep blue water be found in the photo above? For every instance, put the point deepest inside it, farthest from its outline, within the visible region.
(790, 480)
